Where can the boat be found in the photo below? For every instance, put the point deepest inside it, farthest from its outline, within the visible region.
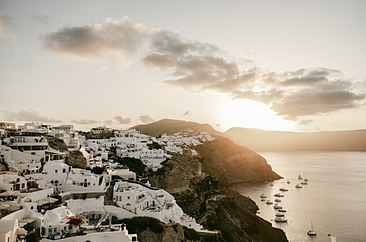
(278, 195)
(269, 202)
(299, 177)
(311, 232)
(288, 181)
(304, 183)
(280, 219)
(283, 189)
(277, 207)
(280, 215)
(263, 199)
(263, 195)
(282, 210)
(306, 180)
(277, 200)
(298, 186)
(271, 184)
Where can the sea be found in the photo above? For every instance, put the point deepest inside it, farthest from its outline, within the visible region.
(333, 202)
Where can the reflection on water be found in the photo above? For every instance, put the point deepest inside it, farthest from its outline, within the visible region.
(334, 199)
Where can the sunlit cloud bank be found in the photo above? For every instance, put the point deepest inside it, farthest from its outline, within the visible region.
(203, 66)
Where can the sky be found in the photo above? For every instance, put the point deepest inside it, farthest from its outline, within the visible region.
(273, 65)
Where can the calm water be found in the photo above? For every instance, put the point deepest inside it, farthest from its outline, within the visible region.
(334, 200)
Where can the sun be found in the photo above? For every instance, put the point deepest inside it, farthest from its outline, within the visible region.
(249, 114)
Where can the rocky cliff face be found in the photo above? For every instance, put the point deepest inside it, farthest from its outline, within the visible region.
(75, 159)
(231, 163)
(152, 230)
(202, 191)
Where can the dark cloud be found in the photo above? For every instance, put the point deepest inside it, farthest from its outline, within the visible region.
(121, 120)
(203, 66)
(85, 121)
(146, 119)
(115, 37)
(306, 77)
(41, 18)
(27, 115)
(313, 101)
(187, 113)
(7, 24)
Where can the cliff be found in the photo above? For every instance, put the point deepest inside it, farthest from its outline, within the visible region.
(200, 184)
(261, 140)
(211, 201)
(232, 163)
(152, 230)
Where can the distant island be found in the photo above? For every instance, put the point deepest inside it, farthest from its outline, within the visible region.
(261, 140)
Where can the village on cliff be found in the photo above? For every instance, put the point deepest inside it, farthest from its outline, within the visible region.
(46, 194)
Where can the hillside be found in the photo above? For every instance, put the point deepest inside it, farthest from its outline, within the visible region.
(260, 140)
(203, 193)
(223, 159)
(200, 184)
(170, 126)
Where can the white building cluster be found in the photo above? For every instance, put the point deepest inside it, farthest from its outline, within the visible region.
(37, 179)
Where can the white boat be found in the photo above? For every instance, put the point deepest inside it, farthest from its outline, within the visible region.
(280, 219)
(288, 181)
(263, 199)
(283, 189)
(282, 210)
(311, 232)
(263, 195)
(277, 207)
(269, 202)
(306, 180)
(277, 200)
(280, 214)
(299, 177)
(298, 186)
(304, 183)
(278, 195)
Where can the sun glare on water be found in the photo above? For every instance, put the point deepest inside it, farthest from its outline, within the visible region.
(248, 114)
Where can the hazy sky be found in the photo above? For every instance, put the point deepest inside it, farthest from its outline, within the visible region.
(277, 65)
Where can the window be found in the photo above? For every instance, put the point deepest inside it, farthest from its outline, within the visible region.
(64, 170)
(128, 197)
(55, 171)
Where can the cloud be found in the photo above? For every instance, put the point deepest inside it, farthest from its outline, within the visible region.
(187, 113)
(202, 66)
(94, 41)
(146, 119)
(7, 24)
(121, 120)
(27, 115)
(118, 120)
(313, 101)
(85, 121)
(41, 18)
